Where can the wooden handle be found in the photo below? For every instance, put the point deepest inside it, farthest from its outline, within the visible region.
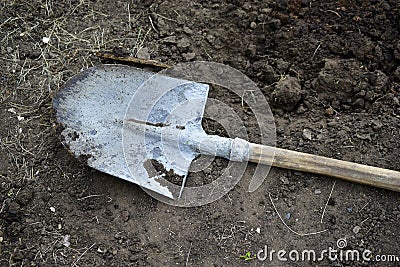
(349, 171)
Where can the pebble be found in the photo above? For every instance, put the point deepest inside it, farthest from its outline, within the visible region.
(285, 180)
(287, 216)
(253, 25)
(329, 111)
(210, 38)
(356, 229)
(52, 209)
(66, 241)
(266, 10)
(307, 134)
(301, 109)
(364, 137)
(187, 30)
(251, 50)
(169, 40)
(183, 44)
(317, 191)
(349, 209)
(143, 53)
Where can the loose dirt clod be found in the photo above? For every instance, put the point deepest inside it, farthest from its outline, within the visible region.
(287, 93)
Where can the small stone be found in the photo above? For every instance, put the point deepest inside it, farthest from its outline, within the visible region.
(285, 180)
(349, 209)
(187, 30)
(46, 40)
(301, 110)
(169, 40)
(258, 230)
(253, 25)
(189, 56)
(143, 53)
(364, 137)
(317, 191)
(266, 10)
(183, 44)
(66, 242)
(356, 229)
(210, 38)
(329, 111)
(251, 50)
(287, 216)
(52, 209)
(307, 134)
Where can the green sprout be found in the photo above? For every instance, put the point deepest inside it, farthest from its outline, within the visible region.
(247, 256)
(10, 193)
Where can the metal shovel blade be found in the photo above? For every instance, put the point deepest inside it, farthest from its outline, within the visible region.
(94, 109)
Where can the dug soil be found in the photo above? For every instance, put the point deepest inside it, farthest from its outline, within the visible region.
(329, 70)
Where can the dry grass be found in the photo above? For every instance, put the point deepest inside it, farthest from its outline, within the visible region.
(37, 68)
(41, 47)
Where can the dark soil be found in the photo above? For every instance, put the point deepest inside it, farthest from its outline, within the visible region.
(329, 69)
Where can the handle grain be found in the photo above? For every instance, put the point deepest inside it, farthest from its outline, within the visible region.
(349, 171)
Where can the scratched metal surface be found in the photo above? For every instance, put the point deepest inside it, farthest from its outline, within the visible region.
(120, 124)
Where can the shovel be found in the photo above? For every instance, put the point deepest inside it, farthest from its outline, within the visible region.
(124, 130)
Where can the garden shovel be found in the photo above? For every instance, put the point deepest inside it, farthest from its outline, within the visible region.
(125, 138)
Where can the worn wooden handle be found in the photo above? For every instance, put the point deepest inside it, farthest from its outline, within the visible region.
(349, 171)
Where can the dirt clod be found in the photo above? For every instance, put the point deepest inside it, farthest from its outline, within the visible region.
(287, 93)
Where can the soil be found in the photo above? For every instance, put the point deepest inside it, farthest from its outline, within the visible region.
(329, 69)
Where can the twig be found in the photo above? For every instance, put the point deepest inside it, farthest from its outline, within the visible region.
(80, 256)
(334, 12)
(363, 207)
(152, 25)
(188, 254)
(326, 204)
(89, 197)
(290, 229)
(315, 51)
(129, 17)
(364, 220)
(134, 60)
(161, 16)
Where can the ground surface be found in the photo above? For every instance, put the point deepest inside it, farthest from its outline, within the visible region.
(330, 70)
